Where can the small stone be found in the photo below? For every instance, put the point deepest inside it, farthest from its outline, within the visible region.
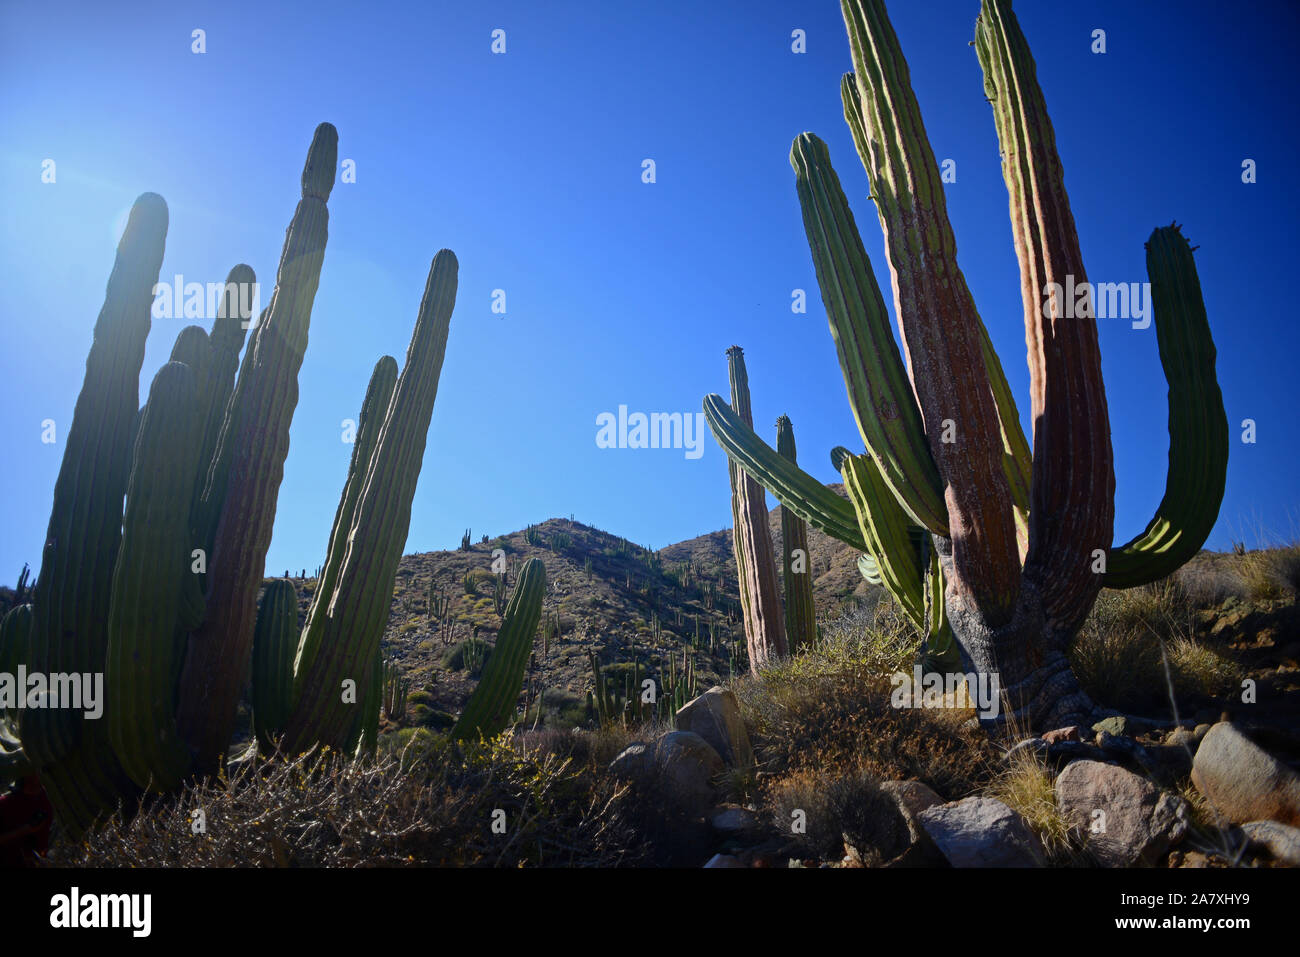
(1072, 733)
(1125, 819)
(1280, 841)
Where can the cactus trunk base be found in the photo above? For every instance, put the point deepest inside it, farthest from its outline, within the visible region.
(1038, 689)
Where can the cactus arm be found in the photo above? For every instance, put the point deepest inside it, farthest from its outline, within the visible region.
(1198, 425)
(275, 640)
(1017, 462)
(879, 391)
(937, 316)
(374, 408)
(1072, 498)
(794, 488)
(257, 442)
(760, 597)
(71, 597)
(886, 530)
(352, 624)
(800, 614)
(492, 704)
(144, 638)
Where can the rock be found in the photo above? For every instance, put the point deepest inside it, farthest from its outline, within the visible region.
(911, 798)
(1117, 725)
(1140, 821)
(1280, 841)
(635, 763)
(1072, 733)
(723, 860)
(1242, 781)
(715, 717)
(733, 819)
(982, 832)
(1182, 738)
(1200, 731)
(688, 766)
(1034, 745)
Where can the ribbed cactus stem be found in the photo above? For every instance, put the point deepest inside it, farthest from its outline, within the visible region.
(70, 603)
(1072, 502)
(257, 441)
(353, 625)
(491, 706)
(800, 616)
(760, 596)
(937, 317)
(275, 641)
(145, 637)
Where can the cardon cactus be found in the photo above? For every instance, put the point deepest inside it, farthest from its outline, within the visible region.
(760, 598)
(254, 441)
(1021, 542)
(342, 633)
(162, 598)
(800, 616)
(493, 702)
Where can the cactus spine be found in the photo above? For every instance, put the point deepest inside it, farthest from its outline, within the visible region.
(492, 704)
(760, 598)
(800, 616)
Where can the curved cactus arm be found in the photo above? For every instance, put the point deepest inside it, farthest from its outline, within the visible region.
(1198, 424)
(886, 530)
(492, 704)
(936, 316)
(15, 652)
(145, 640)
(71, 598)
(880, 392)
(275, 641)
(1072, 499)
(794, 488)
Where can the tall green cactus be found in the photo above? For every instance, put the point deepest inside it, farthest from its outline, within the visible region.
(255, 437)
(760, 597)
(493, 702)
(1013, 569)
(800, 615)
(147, 621)
(343, 630)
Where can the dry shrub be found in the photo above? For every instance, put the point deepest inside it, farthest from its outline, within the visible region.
(838, 807)
(429, 803)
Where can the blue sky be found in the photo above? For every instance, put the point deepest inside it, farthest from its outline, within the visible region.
(528, 165)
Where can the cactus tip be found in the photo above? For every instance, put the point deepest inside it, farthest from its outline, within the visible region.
(322, 161)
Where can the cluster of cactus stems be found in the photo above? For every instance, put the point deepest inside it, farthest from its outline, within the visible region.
(997, 553)
(396, 686)
(163, 597)
(627, 703)
(760, 596)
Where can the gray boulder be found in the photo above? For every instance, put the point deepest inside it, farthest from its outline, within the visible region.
(1125, 819)
(715, 717)
(1242, 781)
(982, 832)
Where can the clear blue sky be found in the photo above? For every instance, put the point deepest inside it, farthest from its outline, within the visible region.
(528, 165)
